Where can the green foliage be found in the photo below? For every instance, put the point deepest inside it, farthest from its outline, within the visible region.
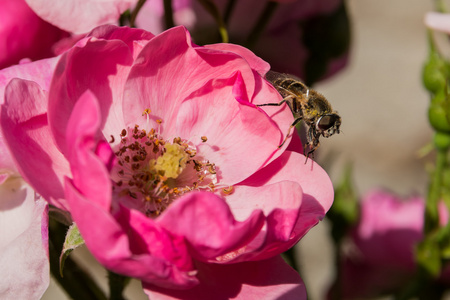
(439, 111)
(345, 210)
(73, 240)
(435, 72)
(428, 256)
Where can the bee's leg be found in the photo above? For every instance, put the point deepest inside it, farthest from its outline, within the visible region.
(289, 131)
(313, 143)
(285, 100)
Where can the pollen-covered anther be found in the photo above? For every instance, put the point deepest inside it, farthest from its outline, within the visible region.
(228, 190)
(204, 139)
(211, 168)
(154, 172)
(191, 153)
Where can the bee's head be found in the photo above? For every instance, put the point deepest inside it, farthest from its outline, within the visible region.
(328, 124)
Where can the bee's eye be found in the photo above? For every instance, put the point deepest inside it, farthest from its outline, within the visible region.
(326, 122)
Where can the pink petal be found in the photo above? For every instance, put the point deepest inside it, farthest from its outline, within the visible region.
(124, 249)
(286, 226)
(267, 279)
(7, 165)
(169, 69)
(438, 21)
(83, 135)
(25, 128)
(107, 64)
(23, 242)
(254, 61)
(206, 222)
(24, 35)
(220, 111)
(133, 37)
(80, 16)
(40, 72)
(389, 228)
(100, 60)
(281, 204)
(383, 242)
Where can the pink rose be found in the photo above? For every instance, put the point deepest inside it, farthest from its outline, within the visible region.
(171, 172)
(382, 257)
(24, 34)
(80, 16)
(24, 261)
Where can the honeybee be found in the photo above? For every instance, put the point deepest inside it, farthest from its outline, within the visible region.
(308, 105)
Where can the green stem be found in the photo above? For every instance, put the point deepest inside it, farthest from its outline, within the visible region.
(434, 192)
(431, 42)
(135, 12)
(261, 24)
(76, 282)
(117, 284)
(124, 18)
(168, 14)
(212, 9)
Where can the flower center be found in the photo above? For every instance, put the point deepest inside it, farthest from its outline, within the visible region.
(152, 172)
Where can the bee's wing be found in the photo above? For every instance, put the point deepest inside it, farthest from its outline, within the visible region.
(287, 85)
(273, 76)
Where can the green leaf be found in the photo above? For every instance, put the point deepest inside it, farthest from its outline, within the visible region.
(428, 256)
(344, 212)
(73, 240)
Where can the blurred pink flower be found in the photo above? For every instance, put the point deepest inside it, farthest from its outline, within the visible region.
(24, 35)
(80, 16)
(24, 261)
(281, 42)
(438, 21)
(171, 172)
(382, 256)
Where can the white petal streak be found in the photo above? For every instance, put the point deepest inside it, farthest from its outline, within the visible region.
(23, 242)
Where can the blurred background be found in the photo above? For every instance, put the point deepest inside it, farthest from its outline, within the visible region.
(383, 105)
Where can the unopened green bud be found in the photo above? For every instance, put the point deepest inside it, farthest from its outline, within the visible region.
(439, 112)
(441, 141)
(435, 73)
